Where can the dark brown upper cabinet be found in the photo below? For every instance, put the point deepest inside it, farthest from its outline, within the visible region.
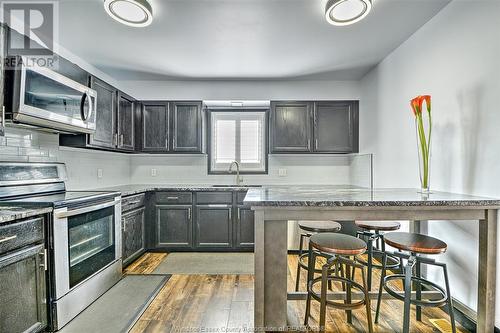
(155, 127)
(314, 127)
(336, 127)
(126, 120)
(186, 127)
(171, 127)
(290, 127)
(105, 133)
(115, 121)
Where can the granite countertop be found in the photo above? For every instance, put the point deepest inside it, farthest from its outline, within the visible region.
(338, 196)
(10, 212)
(131, 189)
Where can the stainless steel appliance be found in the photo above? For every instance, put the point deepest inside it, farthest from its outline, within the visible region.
(84, 242)
(39, 96)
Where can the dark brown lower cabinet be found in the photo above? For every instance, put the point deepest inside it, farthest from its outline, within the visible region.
(245, 227)
(214, 226)
(133, 236)
(23, 306)
(174, 226)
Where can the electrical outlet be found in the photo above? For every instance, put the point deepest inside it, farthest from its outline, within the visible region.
(154, 172)
(282, 172)
(99, 173)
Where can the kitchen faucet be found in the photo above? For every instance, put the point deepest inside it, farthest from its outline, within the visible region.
(238, 179)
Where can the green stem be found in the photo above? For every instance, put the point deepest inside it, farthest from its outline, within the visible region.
(425, 151)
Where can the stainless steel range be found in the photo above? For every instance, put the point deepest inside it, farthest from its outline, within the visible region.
(84, 235)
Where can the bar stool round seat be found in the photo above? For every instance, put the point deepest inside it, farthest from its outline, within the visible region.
(415, 243)
(308, 229)
(338, 244)
(320, 226)
(341, 248)
(379, 225)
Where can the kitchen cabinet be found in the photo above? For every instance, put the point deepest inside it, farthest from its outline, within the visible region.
(214, 226)
(314, 127)
(133, 242)
(105, 133)
(245, 229)
(186, 127)
(125, 120)
(290, 127)
(155, 127)
(22, 277)
(174, 226)
(335, 129)
(172, 127)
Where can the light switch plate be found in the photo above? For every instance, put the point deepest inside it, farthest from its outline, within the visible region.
(154, 172)
(99, 173)
(282, 172)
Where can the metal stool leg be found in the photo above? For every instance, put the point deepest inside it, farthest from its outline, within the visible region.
(381, 286)
(450, 302)
(349, 294)
(322, 309)
(406, 316)
(297, 281)
(367, 302)
(370, 264)
(310, 275)
(418, 312)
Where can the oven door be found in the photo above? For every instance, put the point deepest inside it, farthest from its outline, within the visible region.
(86, 241)
(49, 99)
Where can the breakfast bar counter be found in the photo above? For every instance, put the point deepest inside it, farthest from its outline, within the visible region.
(274, 206)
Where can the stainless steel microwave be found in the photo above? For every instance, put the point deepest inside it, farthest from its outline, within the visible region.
(41, 97)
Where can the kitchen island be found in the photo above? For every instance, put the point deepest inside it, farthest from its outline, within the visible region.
(275, 206)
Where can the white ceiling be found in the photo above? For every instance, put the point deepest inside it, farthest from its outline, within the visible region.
(239, 39)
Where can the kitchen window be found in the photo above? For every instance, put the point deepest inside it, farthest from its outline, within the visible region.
(239, 136)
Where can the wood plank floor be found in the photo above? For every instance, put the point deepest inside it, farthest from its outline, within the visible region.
(224, 303)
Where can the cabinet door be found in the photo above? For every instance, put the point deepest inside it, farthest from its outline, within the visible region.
(214, 226)
(290, 127)
(174, 226)
(155, 129)
(23, 291)
(105, 133)
(125, 116)
(334, 127)
(186, 127)
(132, 235)
(245, 227)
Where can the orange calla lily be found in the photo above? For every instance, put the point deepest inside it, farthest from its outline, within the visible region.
(427, 99)
(416, 105)
(424, 139)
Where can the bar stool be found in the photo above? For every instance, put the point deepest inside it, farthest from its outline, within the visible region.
(340, 247)
(309, 228)
(416, 245)
(373, 232)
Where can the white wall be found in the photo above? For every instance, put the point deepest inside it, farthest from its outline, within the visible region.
(246, 90)
(455, 58)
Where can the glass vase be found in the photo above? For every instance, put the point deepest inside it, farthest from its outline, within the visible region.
(424, 154)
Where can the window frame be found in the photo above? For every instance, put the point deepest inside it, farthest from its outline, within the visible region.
(265, 148)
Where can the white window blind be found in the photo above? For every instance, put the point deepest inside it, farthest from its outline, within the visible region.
(238, 136)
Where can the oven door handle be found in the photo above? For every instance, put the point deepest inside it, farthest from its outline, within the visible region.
(73, 212)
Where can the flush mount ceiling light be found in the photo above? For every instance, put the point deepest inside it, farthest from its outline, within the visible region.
(345, 12)
(134, 13)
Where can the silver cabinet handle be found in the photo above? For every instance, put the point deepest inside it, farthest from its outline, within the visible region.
(218, 206)
(308, 143)
(44, 263)
(115, 139)
(231, 214)
(316, 144)
(189, 213)
(8, 238)
(61, 215)
(172, 198)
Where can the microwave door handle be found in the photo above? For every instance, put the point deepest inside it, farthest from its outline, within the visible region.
(88, 97)
(73, 212)
(91, 106)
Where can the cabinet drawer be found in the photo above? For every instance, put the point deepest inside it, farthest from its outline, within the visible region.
(132, 202)
(174, 198)
(19, 234)
(214, 197)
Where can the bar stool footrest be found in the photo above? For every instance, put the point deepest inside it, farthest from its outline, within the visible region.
(338, 305)
(422, 282)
